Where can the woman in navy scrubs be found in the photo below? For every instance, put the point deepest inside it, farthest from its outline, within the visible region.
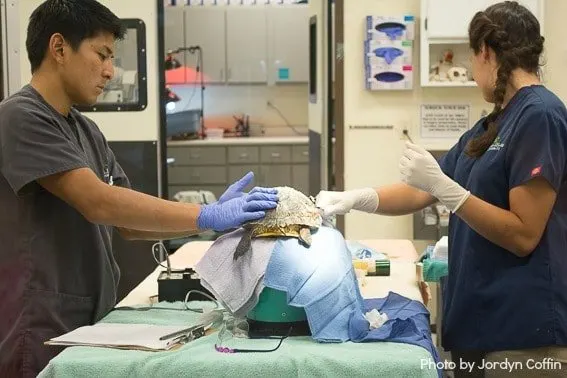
(505, 298)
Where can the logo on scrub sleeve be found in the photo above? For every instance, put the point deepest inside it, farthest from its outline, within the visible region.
(536, 171)
(497, 145)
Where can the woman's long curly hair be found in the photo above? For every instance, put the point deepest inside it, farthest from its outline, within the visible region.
(513, 32)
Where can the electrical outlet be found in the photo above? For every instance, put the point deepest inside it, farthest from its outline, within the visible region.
(407, 136)
(401, 132)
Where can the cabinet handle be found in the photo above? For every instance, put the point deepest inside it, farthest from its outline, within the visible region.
(195, 156)
(305, 153)
(243, 155)
(275, 154)
(196, 175)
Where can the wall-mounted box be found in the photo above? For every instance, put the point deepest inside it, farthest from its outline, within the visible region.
(386, 54)
(378, 78)
(390, 27)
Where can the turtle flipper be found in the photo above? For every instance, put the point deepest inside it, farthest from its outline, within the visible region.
(243, 245)
(305, 236)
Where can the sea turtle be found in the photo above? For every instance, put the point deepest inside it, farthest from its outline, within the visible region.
(295, 215)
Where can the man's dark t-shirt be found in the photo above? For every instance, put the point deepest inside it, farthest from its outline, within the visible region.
(57, 270)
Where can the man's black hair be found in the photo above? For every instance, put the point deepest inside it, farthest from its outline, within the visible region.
(75, 20)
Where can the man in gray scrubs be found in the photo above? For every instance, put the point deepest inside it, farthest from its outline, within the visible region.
(62, 192)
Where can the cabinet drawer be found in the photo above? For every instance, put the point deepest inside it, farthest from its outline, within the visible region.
(235, 172)
(243, 155)
(300, 154)
(197, 155)
(217, 190)
(300, 178)
(275, 154)
(196, 175)
(275, 175)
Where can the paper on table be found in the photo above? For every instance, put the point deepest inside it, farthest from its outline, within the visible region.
(122, 336)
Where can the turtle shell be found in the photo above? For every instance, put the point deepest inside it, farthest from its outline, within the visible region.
(295, 215)
(294, 212)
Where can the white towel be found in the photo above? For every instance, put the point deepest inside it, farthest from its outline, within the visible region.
(237, 284)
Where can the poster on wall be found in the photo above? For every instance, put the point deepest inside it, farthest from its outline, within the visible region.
(442, 121)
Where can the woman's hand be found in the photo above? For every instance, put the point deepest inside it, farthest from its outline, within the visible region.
(421, 170)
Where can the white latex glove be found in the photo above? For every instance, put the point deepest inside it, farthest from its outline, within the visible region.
(339, 203)
(419, 169)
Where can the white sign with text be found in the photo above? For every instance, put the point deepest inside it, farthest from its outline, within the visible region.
(444, 120)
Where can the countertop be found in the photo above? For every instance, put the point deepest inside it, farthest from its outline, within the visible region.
(240, 141)
(235, 141)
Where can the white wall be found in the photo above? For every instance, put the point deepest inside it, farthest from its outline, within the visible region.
(116, 126)
(555, 47)
(371, 156)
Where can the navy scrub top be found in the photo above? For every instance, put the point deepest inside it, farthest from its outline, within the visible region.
(494, 300)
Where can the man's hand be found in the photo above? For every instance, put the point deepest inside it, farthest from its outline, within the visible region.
(235, 207)
(232, 213)
(236, 190)
(419, 169)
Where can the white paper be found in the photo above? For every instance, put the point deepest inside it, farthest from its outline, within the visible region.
(444, 120)
(113, 335)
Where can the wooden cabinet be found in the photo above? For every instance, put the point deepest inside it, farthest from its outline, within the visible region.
(173, 31)
(213, 168)
(243, 154)
(300, 177)
(275, 154)
(275, 175)
(206, 27)
(288, 31)
(255, 44)
(247, 46)
(444, 26)
(450, 18)
(235, 172)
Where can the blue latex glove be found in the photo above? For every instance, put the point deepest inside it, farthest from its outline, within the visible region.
(236, 207)
(393, 32)
(236, 190)
(388, 53)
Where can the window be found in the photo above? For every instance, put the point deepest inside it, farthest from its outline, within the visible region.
(313, 59)
(128, 90)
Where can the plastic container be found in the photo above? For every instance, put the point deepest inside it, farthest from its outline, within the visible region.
(214, 133)
(373, 267)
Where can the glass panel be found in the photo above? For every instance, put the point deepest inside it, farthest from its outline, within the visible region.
(127, 91)
(124, 86)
